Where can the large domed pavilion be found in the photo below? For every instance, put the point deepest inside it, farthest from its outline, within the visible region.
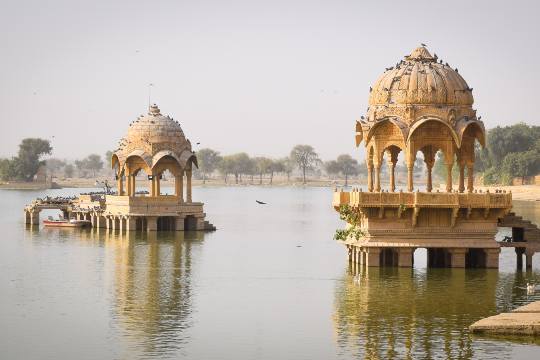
(422, 105)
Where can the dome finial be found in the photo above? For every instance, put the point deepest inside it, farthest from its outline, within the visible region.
(420, 54)
(154, 110)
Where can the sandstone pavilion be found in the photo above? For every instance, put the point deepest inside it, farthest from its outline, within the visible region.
(422, 105)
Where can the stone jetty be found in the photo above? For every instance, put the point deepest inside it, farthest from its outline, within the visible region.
(524, 320)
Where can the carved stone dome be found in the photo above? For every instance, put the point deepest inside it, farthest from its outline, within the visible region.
(153, 136)
(155, 128)
(420, 79)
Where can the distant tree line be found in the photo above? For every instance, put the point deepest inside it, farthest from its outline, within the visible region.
(302, 158)
(28, 161)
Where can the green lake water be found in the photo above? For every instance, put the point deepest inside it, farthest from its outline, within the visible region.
(270, 283)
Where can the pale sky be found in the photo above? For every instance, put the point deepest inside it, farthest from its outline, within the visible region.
(254, 76)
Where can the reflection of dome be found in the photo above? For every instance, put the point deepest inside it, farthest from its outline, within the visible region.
(420, 79)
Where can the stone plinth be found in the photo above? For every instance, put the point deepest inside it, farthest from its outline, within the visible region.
(463, 223)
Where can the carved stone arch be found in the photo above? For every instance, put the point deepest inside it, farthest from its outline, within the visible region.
(471, 128)
(134, 163)
(388, 128)
(187, 158)
(115, 161)
(167, 162)
(422, 122)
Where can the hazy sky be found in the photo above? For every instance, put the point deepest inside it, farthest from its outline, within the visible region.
(255, 76)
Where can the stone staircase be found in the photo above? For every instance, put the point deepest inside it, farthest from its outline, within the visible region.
(531, 232)
(208, 226)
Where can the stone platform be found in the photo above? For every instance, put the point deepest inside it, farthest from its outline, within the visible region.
(524, 320)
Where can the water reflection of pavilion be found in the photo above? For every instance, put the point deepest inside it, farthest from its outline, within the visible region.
(396, 313)
(152, 288)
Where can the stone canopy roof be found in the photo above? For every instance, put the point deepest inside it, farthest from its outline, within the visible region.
(420, 79)
(153, 136)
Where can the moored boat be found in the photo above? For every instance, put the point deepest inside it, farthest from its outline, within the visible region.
(66, 223)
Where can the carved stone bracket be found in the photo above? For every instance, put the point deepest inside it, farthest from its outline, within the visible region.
(415, 213)
(455, 212)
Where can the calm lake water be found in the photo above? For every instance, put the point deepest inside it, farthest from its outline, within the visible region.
(270, 283)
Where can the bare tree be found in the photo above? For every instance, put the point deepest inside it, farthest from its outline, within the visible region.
(305, 157)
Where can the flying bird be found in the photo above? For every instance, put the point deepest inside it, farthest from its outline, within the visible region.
(260, 202)
(423, 44)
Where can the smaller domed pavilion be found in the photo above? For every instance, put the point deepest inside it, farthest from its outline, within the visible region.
(154, 143)
(422, 105)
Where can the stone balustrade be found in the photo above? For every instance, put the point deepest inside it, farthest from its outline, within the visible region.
(358, 199)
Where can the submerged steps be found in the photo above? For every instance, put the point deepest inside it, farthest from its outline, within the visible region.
(524, 320)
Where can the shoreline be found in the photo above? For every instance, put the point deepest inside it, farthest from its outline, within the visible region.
(519, 192)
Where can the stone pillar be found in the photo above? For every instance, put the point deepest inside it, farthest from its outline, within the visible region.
(152, 186)
(429, 183)
(188, 186)
(34, 218)
(449, 177)
(120, 185)
(373, 256)
(179, 223)
(377, 177)
(131, 223)
(356, 253)
(158, 184)
(113, 223)
(128, 185)
(181, 188)
(458, 257)
(107, 222)
(133, 185)
(93, 220)
(151, 223)
(519, 258)
(370, 177)
(410, 185)
(121, 226)
(461, 178)
(392, 171)
(528, 259)
(492, 258)
(470, 177)
(405, 257)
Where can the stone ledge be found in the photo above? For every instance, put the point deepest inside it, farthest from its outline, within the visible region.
(522, 321)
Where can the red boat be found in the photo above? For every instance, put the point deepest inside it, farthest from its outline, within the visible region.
(67, 223)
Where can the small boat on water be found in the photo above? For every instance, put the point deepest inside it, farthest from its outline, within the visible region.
(66, 223)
